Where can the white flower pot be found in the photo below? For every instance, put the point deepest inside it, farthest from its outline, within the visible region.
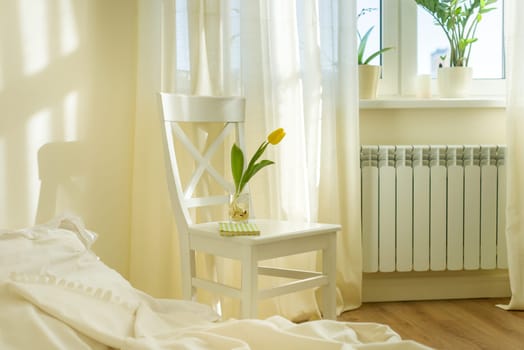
(454, 82)
(368, 81)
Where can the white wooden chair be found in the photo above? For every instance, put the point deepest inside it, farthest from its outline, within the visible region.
(276, 239)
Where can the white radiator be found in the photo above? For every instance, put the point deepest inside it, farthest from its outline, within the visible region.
(433, 208)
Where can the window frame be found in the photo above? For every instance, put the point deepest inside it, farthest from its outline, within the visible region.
(399, 66)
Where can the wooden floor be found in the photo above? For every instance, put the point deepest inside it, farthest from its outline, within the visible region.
(448, 324)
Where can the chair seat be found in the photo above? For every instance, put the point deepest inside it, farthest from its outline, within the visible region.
(277, 239)
(270, 231)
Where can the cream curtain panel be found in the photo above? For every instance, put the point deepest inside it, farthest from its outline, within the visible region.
(295, 61)
(515, 164)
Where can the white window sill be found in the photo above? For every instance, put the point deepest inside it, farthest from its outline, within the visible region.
(434, 102)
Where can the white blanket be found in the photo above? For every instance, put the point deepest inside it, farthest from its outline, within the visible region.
(56, 294)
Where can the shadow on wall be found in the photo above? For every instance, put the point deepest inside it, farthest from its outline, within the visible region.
(62, 172)
(41, 95)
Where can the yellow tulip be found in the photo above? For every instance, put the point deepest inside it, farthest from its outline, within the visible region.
(242, 175)
(276, 136)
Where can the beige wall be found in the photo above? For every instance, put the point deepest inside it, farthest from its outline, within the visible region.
(67, 107)
(433, 126)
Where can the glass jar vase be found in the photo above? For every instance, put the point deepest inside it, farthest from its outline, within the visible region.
(239, 207)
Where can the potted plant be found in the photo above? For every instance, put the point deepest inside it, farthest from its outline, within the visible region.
(368, 74)
(459, 20)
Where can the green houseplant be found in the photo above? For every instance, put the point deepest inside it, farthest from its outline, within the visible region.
(362, 43)
(459, 19)
(368, 73)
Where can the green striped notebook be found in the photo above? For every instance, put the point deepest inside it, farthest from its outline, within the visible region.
(238, 229)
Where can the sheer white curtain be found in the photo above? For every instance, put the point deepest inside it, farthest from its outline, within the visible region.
(153, 252)
(299, 73)
(515, 164)
(295, 61)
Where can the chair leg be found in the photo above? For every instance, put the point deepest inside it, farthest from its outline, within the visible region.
(249, 283)
(188, 272)
(329, 268)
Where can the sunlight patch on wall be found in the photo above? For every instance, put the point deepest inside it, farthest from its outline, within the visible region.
(35, 35)
(68, 29)
(38, 133)
(71, 116)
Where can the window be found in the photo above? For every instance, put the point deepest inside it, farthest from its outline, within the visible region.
(418, 44)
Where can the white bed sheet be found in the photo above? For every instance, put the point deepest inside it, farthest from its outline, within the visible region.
(56, 294)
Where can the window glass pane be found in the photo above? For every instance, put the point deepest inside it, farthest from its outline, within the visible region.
(487, 54)
(369, 16)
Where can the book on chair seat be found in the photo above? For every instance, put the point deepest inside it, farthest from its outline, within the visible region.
(238, 229)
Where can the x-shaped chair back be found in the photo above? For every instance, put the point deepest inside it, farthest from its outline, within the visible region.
(179, 109)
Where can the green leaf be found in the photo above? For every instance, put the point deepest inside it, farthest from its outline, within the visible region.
(258, 153)
(251, 171)
(379, 52)
(362, 46)
(487, 10)
(237, 164)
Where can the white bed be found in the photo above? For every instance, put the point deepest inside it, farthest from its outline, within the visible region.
(56, 294)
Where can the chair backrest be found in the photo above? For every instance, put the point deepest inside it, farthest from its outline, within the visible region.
(177, 110)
